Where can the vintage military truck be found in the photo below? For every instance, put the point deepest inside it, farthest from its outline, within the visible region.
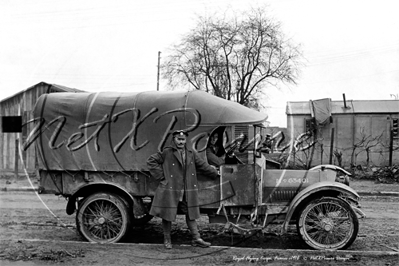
(93, 147)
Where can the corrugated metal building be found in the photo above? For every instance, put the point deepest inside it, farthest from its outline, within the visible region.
(21, 104)
(359, 129)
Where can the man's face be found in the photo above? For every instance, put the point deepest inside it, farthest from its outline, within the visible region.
(180, 141)
(214, 139)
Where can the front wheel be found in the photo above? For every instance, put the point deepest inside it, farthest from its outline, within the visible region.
(328, 223)
(103, 218)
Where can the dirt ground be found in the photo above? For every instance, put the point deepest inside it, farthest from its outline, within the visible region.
(360, 185)
(37, 231)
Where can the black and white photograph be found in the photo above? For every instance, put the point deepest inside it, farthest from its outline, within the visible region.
(199, 132)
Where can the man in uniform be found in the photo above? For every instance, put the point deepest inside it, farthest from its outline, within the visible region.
(176, 169)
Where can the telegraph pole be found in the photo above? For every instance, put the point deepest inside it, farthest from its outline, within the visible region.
(159, 60)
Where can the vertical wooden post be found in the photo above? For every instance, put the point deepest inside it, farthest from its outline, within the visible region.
(311, 156)
(332, 145)
(390, 147)
(321, 153)
(159, 64)
(293, 148)
(16, 158)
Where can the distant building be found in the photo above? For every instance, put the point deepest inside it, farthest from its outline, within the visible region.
(349, 132)
(21, 104)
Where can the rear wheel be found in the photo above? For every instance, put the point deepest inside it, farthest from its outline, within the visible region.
(103, 218)
(328, 223)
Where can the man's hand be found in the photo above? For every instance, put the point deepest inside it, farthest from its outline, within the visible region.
(231, 154)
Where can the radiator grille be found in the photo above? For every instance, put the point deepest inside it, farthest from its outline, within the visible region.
(283, 195)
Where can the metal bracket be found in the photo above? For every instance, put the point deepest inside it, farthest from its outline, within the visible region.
(230, 227)
(136, 177)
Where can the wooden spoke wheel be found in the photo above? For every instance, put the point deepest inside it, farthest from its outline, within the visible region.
(103, 218)
(328, 223)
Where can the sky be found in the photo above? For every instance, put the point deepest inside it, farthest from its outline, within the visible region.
(350, 47)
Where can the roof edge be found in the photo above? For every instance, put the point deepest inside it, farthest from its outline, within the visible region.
(43, 84)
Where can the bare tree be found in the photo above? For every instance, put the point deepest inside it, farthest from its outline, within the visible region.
(235, 58)
(364, 144)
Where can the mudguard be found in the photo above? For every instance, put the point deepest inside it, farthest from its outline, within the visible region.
(311, 190)
(94, 187)
(330, 167)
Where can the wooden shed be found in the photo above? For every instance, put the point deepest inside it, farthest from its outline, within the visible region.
(356, 132)
(21, 104)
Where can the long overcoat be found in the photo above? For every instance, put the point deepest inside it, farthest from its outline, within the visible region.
(167, 167)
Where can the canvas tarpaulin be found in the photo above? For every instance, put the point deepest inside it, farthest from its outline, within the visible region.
(112, 131)
(321, 110)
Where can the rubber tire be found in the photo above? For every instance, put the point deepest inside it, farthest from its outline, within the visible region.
(312, 243)
(119, 205)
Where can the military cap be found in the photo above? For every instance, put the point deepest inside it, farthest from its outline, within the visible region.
(180, 133)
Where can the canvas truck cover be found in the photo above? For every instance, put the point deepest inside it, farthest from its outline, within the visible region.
(111, 131)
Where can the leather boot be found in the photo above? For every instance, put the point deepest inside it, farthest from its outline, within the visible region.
(200, 243)
(167, 226)
(167, 242)
(197, 241)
